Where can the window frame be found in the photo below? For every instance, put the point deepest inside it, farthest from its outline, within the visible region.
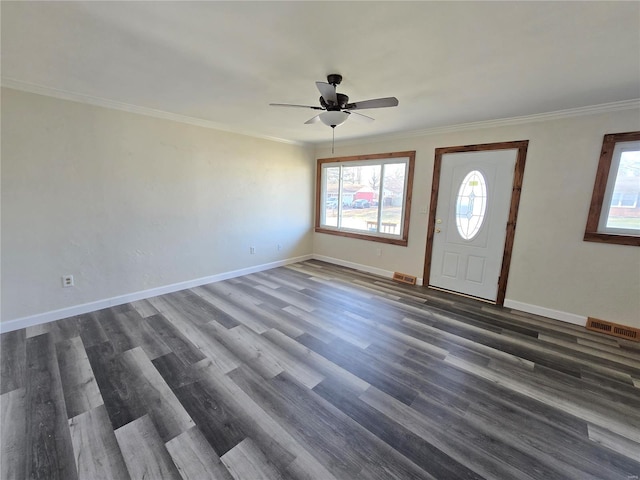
(403, 238)
(598, 207)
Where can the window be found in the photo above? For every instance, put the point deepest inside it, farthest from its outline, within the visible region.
(366, 196)
(471, 205)
(614, 216)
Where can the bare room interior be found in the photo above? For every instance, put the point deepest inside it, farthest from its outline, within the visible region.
(320, 240)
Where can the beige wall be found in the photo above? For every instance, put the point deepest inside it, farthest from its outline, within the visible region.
(127, 203)
(552, 267)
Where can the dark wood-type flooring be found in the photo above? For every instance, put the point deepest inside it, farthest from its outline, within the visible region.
(314, 371)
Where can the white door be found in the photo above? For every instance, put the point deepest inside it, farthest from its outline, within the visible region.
(474, 198)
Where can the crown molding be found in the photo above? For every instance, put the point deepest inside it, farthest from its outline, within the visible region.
(15, 84)
(501, 122)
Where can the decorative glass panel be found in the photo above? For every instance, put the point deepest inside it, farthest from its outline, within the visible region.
(471, 204)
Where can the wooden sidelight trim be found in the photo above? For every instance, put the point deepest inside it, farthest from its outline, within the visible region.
(518, 175)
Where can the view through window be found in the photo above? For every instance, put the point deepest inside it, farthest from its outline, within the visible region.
(365, 196)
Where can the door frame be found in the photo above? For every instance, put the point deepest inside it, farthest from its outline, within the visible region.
(521, 146)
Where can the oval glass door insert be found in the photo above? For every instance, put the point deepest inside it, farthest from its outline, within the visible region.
(471, 204)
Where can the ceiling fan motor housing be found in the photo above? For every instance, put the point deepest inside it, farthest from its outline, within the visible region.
(343, 100)
(334, 79)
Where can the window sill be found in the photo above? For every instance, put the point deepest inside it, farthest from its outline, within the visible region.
(363, 236)
(610, 238)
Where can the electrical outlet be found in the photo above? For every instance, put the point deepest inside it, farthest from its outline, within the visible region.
(279, 247)
(252, 250)
(379, 252)
(67, 281)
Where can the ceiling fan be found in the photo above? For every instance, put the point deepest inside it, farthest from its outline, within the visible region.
(336, 107)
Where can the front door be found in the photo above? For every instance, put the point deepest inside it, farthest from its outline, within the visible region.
(470, 229)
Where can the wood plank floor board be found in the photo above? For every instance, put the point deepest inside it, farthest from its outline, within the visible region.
(108, 320)
(178, 344)
(300, 323)
(121, 400)
(614, 385)
(216, 420)
(425, 379)
(195, 458)
(235, 342)
(313, 371)
(91, 331)
(328, 327)
(49, 452)
(456, 445)
(288, 453)
(272, 317)
(258, 293)
(432, 460)
(466, 386)
(547, 441)
(13, 434)
(174, 371)
(96, 450)
(237, 314)
(81, 392)
(317, 361)
(64, 329)
(270, 440)
(324, 444)
(274, 282)
(144, 308)
(570, 402)
(198, 309)
(168, 414)
(246, 460)
(12, 360)
(192, 332)
(358, 363)
(144, 452)
(524, 457)
(137, 330)
(342, 446)
(618, 444)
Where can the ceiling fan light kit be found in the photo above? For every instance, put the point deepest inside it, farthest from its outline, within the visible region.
(336, 106)
(333, 118)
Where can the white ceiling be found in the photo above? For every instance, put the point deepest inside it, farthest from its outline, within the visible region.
(222, 63)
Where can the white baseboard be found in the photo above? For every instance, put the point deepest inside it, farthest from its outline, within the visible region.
(358, 266)
(53, 315)
(547, 312)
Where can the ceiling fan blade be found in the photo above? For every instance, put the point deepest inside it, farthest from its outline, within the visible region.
(375, 103)
(328, 92)
(358, 117)
(315, 119)
(296, 106)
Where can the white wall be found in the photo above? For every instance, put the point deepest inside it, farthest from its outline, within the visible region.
(127, 203)
(552, 267)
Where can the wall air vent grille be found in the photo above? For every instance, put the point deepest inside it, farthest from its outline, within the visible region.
(622, 331)
(404, 278)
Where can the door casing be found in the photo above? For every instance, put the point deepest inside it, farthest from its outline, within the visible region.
(518, 175)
